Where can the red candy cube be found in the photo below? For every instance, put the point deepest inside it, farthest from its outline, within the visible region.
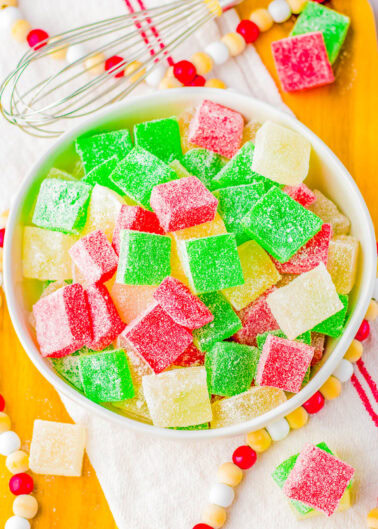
(191, 357)
(318, 479)
(94, 256)
(63, 323)
(182, 306)
(183, 203)
(283, 363)
(301, 194)
(302, 62)
(157, 338)
(106, 323)
(216, 128)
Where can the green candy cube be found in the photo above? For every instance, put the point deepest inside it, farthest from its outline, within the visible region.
(160, 137)
(106, 377)
(62, 205)
(334, 325)
(100, 175)
(68, 368)
(138, 173)
(225, 323)
(203, 164)
(280, 224)
(144, 258)
(333, 25)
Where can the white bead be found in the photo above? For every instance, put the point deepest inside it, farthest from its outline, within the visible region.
(8, 16)
(279, 10)
(344, 370)
(157, 74)
(16, 522)
(221, 494)
(278, 430)
(375, 293)
(218, 52)
(9, 442)
(75, 52)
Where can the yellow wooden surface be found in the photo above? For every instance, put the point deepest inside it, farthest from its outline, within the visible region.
(344, 115)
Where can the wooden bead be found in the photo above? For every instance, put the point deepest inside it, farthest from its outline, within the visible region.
(135, 66)
(234, 42)
(215, 83)
(5, 422)
(59, 55)
(25, 506)
(214, 516)
(262, 18)
(229, 474)
(354, 352)
(169, 82)
(8, 3)
(296, 5)
(17, 462)
(203, 62)
(372, 311)
(297, 418)
(20, 30)
(259, 441)
(372, 519)
(95, 64)
(331, 388)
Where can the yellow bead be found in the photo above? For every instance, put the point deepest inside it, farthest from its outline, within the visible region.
(95, 63)
(229, 474)
(131, 68)
(259, 441)
(297, 418)
(20, 30)
(296, 6)
(8, 3)
(354, 352)
(17, 462)
(4, 218)
(262, 18)
(214, 516)
(5, 423)
(234, 42)
(372, 519)
(203, 62)
(169, 82)
(169, 73)
(372, 312)
(25, 506)
(59, 55)
(331, 389)
(215, 83)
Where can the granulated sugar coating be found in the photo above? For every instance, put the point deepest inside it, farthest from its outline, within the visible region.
(190, 357)
(318, 343)
(328, 212)
(100, 175)
(301, 193)
(334, 325)
(161, 137)
(103, 210)
(342, 262)
(68, 368)
(207, 229)
(261, 338)
(131, 300)
(203, 164)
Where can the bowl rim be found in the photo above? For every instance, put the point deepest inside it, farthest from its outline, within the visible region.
(226, 98)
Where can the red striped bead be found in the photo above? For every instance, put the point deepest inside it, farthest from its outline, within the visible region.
(314, 404)
(36, 38)
(113, 63)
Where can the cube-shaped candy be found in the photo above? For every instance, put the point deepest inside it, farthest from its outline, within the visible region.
(157, 338)
(250, 129)
(191, 357)
(182, 306)
(45, 254)
(68, 367)
(301, 193)
(216, 128)
(281, 154)
(135, 218)
(334, 26)
(211, 263)
(256, 319)
(95, 257)
(131, 300)
(334, 325)
(281, 225)
(183, 203)
(305, 302)
(139, 173)
(329, 213)
(62, 321)
(62, 205)
(179, 169)
(106, 376)
(318, 479)
(261, 338)
(302, 62)
(203, 164)
(100, 175)
(103, 211)
(283, 363)
(318, 343)
(184, 120)
(177, 270)
(245, 406)
(224, 324)
(342, 262)
(95, 149)
(207, 229)
(144, 258)
(57, 448)
(161, 137)
(230, 368)
(178, 397)
(259, 274)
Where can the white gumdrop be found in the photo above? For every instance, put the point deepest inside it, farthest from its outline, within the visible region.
(218, 52)
(157, 74)
(221, 494)
(16, 522)
(75, 53)
(344, 370)
(8, 17)
(9, 442)
(279, 10)
(278, 430)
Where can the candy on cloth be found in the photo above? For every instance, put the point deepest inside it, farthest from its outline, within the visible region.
(211, 263)
(318, 479)
(182, 306)
(62, 205)
(190, 357)
(305, 302)
(45, 254)
(221, 494)
(259, 274)
(157, 338)
(214, 515)
(161, 137)
(279, 429)
(216, 128)
(229, 474)
(183, 203)
(230, 368)
(334, 26)
(254, 402)
(62, 321)
(144, 258)
(57, 448)
(224, 325)
(301, 193)
(259, 440)
(302, 62)
(328, 212)
(244, 457)
(283, 363)
(131, 300)
(281, 225)
(342, 262)
(256, 319)
(178, 397)
(317, 342)
(203, 164)
(334, 325)
(103, 210)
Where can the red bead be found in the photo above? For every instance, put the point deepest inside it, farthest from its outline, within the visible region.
(2, 403)
(199, 80)
(244, 457)
(202, 526)
(2, 235)
(363, 332)
(21, 484)
(36, 38)
(314, 404)
(112, 63)
(185, 72)
(248, 30)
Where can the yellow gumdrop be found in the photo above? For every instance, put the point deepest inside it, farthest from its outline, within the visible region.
(354, 352)
(95, 63)
(372, 311)
(25, 506)
(215, 83)
(262, 18)
(20, 30)
(135, 66)
(214, 516)
(17, 462)
(297, 418)
(169, 82)
(234, 42)
(259, 441)
(5, 423)
(203, 62)
(372, 519)
(296, 6)
(229, 474)
(331, 389)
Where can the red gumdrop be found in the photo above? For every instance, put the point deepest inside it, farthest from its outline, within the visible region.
(113, 63)
(363, 332)
(21, 484)
(244, 457)
(314, 404)
(2, 235)
(202, 526)
(2, 403)
(248, 30)
(37, 38)
(199, 80)
(185, 72)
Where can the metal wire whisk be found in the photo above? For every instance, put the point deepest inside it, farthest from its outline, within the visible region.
(35, 96)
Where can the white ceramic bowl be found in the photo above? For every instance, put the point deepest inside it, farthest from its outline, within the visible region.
(326, 173)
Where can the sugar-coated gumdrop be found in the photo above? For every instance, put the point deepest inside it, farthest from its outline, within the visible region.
(317, 342)
(161, 137)
(131, 300)
(301, 193)
(329, 213)
(203, 164)
(334, 325)
(191, 357)
(103, 210)
(342, 262)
